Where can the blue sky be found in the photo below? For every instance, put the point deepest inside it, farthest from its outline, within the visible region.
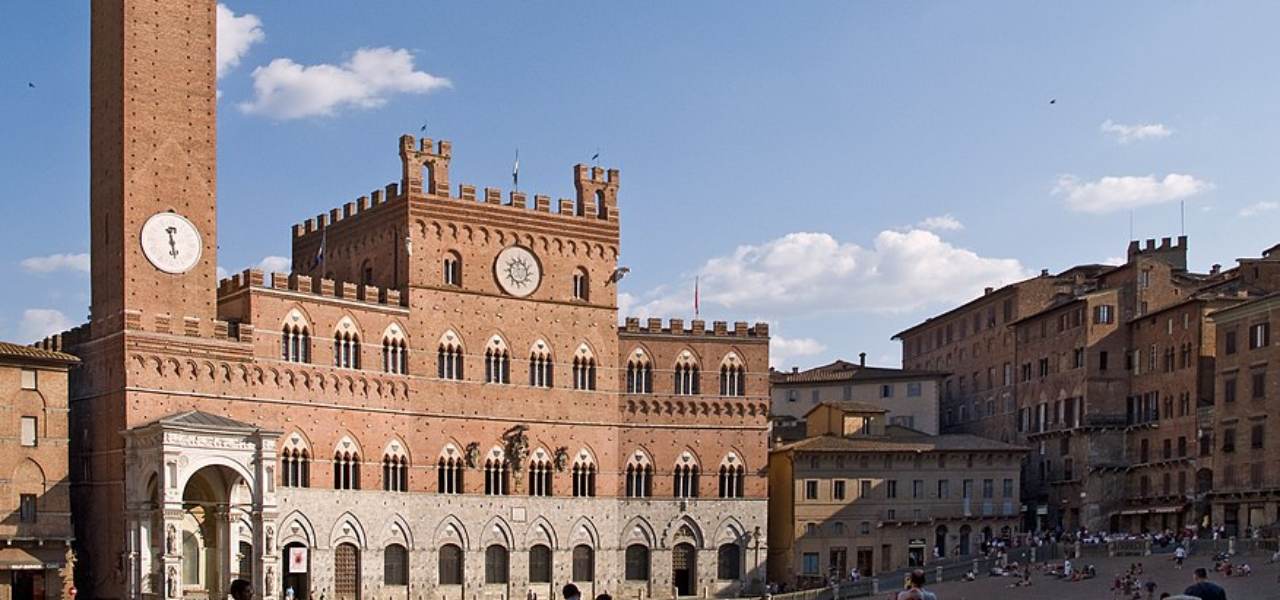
(839, 169)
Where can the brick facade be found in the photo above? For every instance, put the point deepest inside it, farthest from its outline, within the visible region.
(389, 399)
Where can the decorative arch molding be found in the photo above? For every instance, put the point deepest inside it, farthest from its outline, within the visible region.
(348, 529)
(683, 529)
(397, 531)
(497, 531)
(638, 531)
(451, 531)
(541, 531)
(584, 532)
(296, 527)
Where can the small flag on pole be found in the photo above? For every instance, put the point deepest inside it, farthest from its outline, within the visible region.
(515, 171)
(319, 259)
(695, 296)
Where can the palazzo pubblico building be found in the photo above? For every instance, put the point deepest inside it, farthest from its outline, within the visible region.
(438, 401)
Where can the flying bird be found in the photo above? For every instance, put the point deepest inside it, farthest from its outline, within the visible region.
(30, 84)
(423, 128)
(595, 156)
(618, 274)
(1053, 101)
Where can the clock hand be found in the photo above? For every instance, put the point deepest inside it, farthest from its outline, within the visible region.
(173, 244)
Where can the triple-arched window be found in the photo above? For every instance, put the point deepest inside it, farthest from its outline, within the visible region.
(584, 369)
(295, 464)
(639, 373)
(584, 476)
(541, 368)
(686, 375)
(733, 376)
(395, 351)
(497, 474)
(497, 361)
(395, 469)
(639, 476)
(346, 350)
(449, 357)
(540, 474)
(685, 477)
(346, 470)
(295, 342)
(449, 471)
(732, 477)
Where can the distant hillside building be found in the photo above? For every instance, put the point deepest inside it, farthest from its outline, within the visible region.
(910, 396)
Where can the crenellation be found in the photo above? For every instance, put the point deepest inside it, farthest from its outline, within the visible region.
(161, 323)
(377, 198)
(299, 283)
(347, 291)
(467, 192)
(191, 326)
(697, 327)
(279, 281)
(516, 199)
(492, 195)
(220, 329)
(542, 203)
(348, 209)
(323, 287)
(362, 204)
(368, 293)
(335, 215)
(566, 206)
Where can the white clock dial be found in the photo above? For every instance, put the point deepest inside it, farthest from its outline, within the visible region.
(517, 271)
(171, 242)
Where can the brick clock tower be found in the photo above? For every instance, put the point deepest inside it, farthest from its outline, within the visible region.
(153, 130)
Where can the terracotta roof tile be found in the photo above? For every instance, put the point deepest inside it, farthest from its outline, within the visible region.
(842, 370)
(18, 351)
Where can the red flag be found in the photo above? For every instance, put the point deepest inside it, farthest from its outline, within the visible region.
(695, 296)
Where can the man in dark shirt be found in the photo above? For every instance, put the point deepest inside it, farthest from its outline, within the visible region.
(1205, 589)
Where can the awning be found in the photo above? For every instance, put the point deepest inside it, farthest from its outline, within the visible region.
(1153, 510)
(19, 559)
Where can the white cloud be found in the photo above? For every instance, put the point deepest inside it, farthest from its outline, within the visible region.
(1135, 133)
(1115, 261)
(287, 90)
(275, 264)
(40, 322)
(804, 274)
(57, 262)
(941, 223)
(1258, 207)
(236, 33)
(782, 350)
(1111, 194)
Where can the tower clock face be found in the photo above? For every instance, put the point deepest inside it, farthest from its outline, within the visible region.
(517, 271)
(171, 242)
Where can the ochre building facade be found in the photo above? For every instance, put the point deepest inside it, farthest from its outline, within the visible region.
(438, 402)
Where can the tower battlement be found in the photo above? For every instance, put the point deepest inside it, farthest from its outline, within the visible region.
(1174, 253)
(315, 286)
(697, 327)
(425, 174)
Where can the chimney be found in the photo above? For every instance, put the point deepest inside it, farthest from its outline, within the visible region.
(987, 291)
(1044, 272)
(795, 369)
(862, 359)
(1215, 269)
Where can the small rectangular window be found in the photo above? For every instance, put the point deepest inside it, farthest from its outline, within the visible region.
(837, 489)
(811, 490)
(886, 390)
(28, 379)
(28, 433)
(27, 508)
(913, 389)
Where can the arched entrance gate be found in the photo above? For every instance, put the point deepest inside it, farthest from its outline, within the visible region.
(201, 507)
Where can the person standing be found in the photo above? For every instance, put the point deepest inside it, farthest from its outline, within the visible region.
(1203, 588)
(1179, 555)
(915, 588)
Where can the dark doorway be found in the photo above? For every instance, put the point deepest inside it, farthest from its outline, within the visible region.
(28, 585)
(296, 569)
(684, 560)
(839, 563)
(865, 561)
